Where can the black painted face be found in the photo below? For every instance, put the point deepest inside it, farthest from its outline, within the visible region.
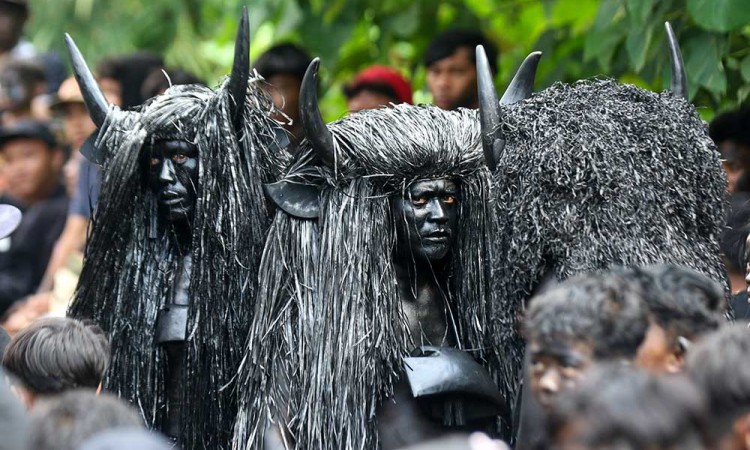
(173, 178)
(426, 218)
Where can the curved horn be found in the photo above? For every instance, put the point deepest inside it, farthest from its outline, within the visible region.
(522, 84)
(95, 101)
(679, 78)
(237, 85)
(489, 111)
(313, 124)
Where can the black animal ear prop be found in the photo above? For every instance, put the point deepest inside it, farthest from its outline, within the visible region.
(298, 199)
(313, 124)
(93, 97)
(238, 79)
(679, 78)
(520, 88)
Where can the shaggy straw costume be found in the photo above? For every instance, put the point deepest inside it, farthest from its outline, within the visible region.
(600, 174)
(331, 321)
(131, 262)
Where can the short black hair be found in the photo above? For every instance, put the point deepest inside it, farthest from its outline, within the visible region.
(283, 59)
(732, 125)
(446, 43)
(130, 70)
(57, 354)
(618, 406)
(156, 82)
(720, 367)
(605, 311)
(65, 421)
(681, 300)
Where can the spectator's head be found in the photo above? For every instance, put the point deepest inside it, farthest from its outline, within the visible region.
(20, 83)
(683, 306)
(125, 75)
(283, 66)
(377, 86)
(32, 160)
(54, 355)
(127, 439)
(585, 319)
(66, 421)
(619, 407)
(69, 106)
(720, 367)
(731, 133)
(733, 238)
(13, 16)
(157, 81)
(451, 67)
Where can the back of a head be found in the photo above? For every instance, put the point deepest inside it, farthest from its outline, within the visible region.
(605, 311)
(447, 42)
(720, 366)
(283, 59)
(127, 439)
(616, 406)
(66, 421)
(681, 300)
(57, 354)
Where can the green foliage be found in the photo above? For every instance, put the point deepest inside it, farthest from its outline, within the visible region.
(623, 39)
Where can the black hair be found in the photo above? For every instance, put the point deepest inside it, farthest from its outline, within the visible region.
(720, 367)
(57, 354)
(289, 59)
(447, 42)
(65, 421)
(378, 88)
(618, 406)
(681, 300)
(130, 70)
(605, 311)
(731, 126)
(156, 82)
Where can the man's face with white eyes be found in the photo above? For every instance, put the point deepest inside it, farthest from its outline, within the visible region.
(426, 216)
(173, 177)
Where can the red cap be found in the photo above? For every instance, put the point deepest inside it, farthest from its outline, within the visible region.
(384, 76)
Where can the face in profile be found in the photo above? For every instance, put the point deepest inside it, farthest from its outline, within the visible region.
(426, 219)
(173, 177)
(554, 369)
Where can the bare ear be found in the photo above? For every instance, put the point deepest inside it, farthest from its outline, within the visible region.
(298, 199)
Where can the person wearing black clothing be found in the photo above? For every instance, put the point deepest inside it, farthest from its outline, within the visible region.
(33, 162)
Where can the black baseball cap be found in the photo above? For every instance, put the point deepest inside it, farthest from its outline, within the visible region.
(29, 129)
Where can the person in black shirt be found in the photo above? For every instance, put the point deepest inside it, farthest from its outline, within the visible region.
(32, 166)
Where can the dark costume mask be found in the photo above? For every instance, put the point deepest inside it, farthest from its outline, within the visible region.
(405, 182)
(593, 175)
(192, 159)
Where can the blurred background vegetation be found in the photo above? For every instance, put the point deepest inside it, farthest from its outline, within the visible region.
(623, 39)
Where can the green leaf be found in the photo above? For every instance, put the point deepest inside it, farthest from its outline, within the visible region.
(719, 15)
(703, 64)
(745, 68)
(639, 10)
(637, 46)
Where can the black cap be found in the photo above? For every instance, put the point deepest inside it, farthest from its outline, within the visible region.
(29, 129)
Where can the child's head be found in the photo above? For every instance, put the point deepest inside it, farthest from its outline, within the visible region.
(583, 320)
